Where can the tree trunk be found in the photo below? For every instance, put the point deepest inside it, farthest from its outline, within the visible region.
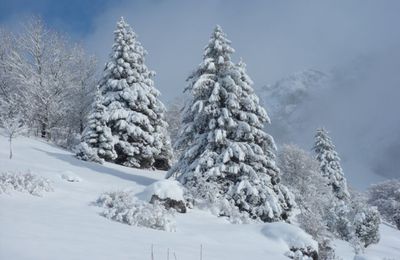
(11, 153)
(81, 128)
(43, 130)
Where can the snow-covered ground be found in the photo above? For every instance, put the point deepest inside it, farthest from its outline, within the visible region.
(63, 224)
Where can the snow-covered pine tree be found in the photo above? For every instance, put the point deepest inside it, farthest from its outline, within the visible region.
(136, 115)
(330, 164)
(97, 141)
(227, 157)
(366, 223)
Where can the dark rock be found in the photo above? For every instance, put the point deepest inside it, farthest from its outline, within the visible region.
(308, 251)
(169, 203)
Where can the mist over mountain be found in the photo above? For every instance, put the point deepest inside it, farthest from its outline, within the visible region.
(356, 102)
(285, 98)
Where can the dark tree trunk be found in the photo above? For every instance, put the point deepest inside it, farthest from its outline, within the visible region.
(44, 130)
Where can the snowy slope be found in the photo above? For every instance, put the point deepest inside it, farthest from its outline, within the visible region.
(64, 225)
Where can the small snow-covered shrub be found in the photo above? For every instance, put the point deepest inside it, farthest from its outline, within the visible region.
(24, 182)
(313, 196)
(169, 193)
(123, 206)
(302, 254)
(366, 219)
(300, 245)
(326, 250)
(386, 197)
(164, 189)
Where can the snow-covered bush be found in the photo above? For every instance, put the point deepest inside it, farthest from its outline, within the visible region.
(386, 197)
(339, 221)
(322, 214)
(163, 189)
(355, 221)
(300, 245)
(168, 193)
(123, 206)
(326, 250)
(24, 182)
(300, 173)
(366, 225)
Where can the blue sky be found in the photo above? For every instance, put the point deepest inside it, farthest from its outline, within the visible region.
(361, 38)
(75, 17)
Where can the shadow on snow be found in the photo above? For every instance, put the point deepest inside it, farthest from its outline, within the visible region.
(142, 180)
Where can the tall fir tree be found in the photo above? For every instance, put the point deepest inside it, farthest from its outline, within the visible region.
(330, 164)
(135, 114)
(227, 157)
(97, 141)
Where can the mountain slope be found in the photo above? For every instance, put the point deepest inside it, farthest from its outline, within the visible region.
(64, 225)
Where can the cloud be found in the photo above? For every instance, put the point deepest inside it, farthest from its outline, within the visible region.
(275, 38)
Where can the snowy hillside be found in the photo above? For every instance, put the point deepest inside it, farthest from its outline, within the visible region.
(63, 224)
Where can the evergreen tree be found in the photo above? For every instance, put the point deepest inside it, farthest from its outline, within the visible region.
(136, 115)
(366, 223)
(227, 157)
(330, 164)
(97, 141)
